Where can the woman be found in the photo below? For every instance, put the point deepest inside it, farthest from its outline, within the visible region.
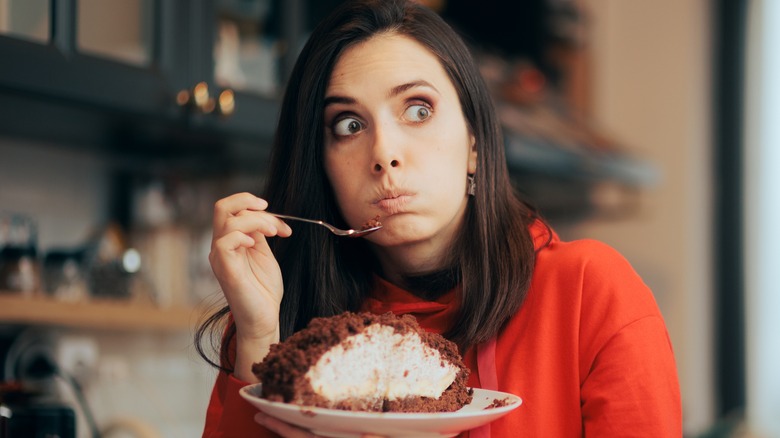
(386, 114)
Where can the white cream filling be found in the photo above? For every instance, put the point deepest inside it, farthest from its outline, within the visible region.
(379, 363)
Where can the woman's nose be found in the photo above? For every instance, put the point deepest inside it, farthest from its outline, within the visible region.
(386, 150)
(378, 167)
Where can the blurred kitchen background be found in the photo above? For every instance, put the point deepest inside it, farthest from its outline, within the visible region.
(650, 125)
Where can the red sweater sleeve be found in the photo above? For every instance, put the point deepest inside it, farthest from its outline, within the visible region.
(228, 415)
(629, 384)
(632, 390)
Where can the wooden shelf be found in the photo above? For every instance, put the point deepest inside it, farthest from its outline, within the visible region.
(102, 315)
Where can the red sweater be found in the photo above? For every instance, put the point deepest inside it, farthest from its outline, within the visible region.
(588, 352)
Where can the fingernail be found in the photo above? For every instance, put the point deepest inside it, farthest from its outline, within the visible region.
(263, 202)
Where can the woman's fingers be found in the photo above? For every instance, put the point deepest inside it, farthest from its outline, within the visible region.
(234, 204)
(228, 219)
(228, 252)
(249, 222)
(224, 253)
(233, 241)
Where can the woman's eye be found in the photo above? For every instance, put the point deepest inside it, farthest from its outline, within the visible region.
(347, 126)
(417, 113)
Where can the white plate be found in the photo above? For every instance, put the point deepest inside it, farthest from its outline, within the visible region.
(348, 424)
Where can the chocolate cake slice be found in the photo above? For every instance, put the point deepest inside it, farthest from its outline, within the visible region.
(366, 362)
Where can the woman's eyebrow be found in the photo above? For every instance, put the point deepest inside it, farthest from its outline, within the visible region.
(395, 91)
(338, 99)
(398, 89)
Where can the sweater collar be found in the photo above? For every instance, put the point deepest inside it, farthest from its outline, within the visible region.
(436, 315)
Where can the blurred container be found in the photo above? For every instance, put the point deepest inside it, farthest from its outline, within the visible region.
(64, 276)
(204, 284)
(165, 254)
(5, 415)
(19, 265)
(109, 269)
(247, 52)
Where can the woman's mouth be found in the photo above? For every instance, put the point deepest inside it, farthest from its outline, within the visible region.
(393, 204)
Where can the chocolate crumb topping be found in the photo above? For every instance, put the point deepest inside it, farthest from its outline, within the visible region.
(498, 403)
(371, 223)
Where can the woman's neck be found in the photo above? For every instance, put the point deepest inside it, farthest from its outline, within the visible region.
(433, 285)
(429, 286)
(425, 268)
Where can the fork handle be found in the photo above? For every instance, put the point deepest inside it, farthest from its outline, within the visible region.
(296, 218)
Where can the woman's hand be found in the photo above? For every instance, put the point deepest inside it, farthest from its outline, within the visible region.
(248, 273)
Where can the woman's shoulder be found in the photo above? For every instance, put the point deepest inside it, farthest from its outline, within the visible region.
(594, 284)
(581, 255)
(585, 266)
(592, 273)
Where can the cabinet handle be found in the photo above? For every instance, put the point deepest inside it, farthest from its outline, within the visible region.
(226, 103)
(200, 99)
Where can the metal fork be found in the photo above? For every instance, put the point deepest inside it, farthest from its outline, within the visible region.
(334, 230)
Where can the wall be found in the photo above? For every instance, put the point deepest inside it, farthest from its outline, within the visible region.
(762, 214)
(651, 91)
(63, 190)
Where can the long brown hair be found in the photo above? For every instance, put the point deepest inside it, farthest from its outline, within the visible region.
(324, 275)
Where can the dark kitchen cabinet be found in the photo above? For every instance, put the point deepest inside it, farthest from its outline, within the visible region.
(60, 69)
(161, 76)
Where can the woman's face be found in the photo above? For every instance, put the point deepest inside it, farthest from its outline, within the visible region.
(397, 144)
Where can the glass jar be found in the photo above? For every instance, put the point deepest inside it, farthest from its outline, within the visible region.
(19, 265)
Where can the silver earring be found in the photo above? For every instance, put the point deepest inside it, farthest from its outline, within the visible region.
(471, 189)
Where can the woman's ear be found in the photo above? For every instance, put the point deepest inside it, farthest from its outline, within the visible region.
(472, 165)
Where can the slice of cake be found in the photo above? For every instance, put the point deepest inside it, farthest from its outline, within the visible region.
(366, 362)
